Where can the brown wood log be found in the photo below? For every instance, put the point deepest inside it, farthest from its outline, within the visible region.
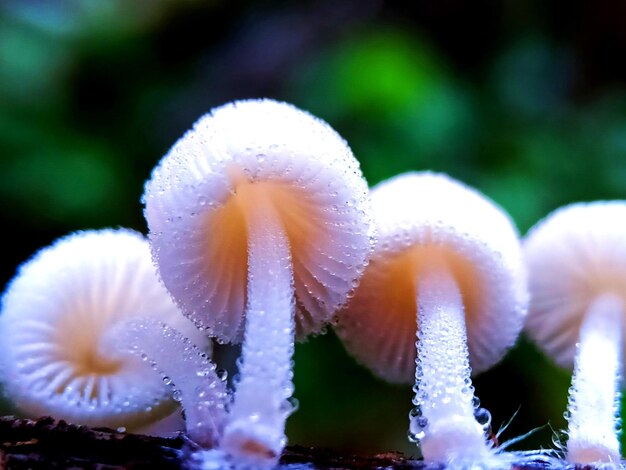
(49, 444)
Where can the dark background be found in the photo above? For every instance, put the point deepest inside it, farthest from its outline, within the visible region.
(524, 100)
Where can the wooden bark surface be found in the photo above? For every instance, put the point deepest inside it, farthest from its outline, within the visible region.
(49, 444)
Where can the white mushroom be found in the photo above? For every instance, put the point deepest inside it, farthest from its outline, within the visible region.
(449, 257)
(258, 222)
(576, 261)
(56, 314)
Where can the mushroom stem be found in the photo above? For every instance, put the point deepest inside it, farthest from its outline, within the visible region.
(186, 368)
(256, 426)
(443, 422)
(594, 395)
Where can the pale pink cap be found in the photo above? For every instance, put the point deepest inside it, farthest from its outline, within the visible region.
(57, 315)
(574, 255)
(422, 216)
(199, 194)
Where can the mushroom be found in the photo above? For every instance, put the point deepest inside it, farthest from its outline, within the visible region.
(576, 261)
(449, 257)
(258, 221)
(56, 315)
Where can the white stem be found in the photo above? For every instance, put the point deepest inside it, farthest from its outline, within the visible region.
(255, 434)
(443, 421)
(187, 369)
(595, 392)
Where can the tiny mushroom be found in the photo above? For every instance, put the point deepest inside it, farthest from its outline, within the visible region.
(56, 315)
(576, 261)
(448, 268)
(259, 223)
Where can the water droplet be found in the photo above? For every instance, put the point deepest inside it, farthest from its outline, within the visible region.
(415, 412)
(294, 404)
(417, 429)
(418, 425)
(483, 417)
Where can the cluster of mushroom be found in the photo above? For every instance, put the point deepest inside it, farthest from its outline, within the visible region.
(263, 231)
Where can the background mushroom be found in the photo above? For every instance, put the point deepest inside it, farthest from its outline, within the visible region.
(576, 261)
(56, 315)
(258, 221)
(449, 256)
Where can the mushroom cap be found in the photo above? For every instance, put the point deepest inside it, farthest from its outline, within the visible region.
(573, 255)
(200, 194)
(56, 314)
(425, 220)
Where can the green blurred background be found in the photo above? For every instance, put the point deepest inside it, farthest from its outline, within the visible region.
(525, 100)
